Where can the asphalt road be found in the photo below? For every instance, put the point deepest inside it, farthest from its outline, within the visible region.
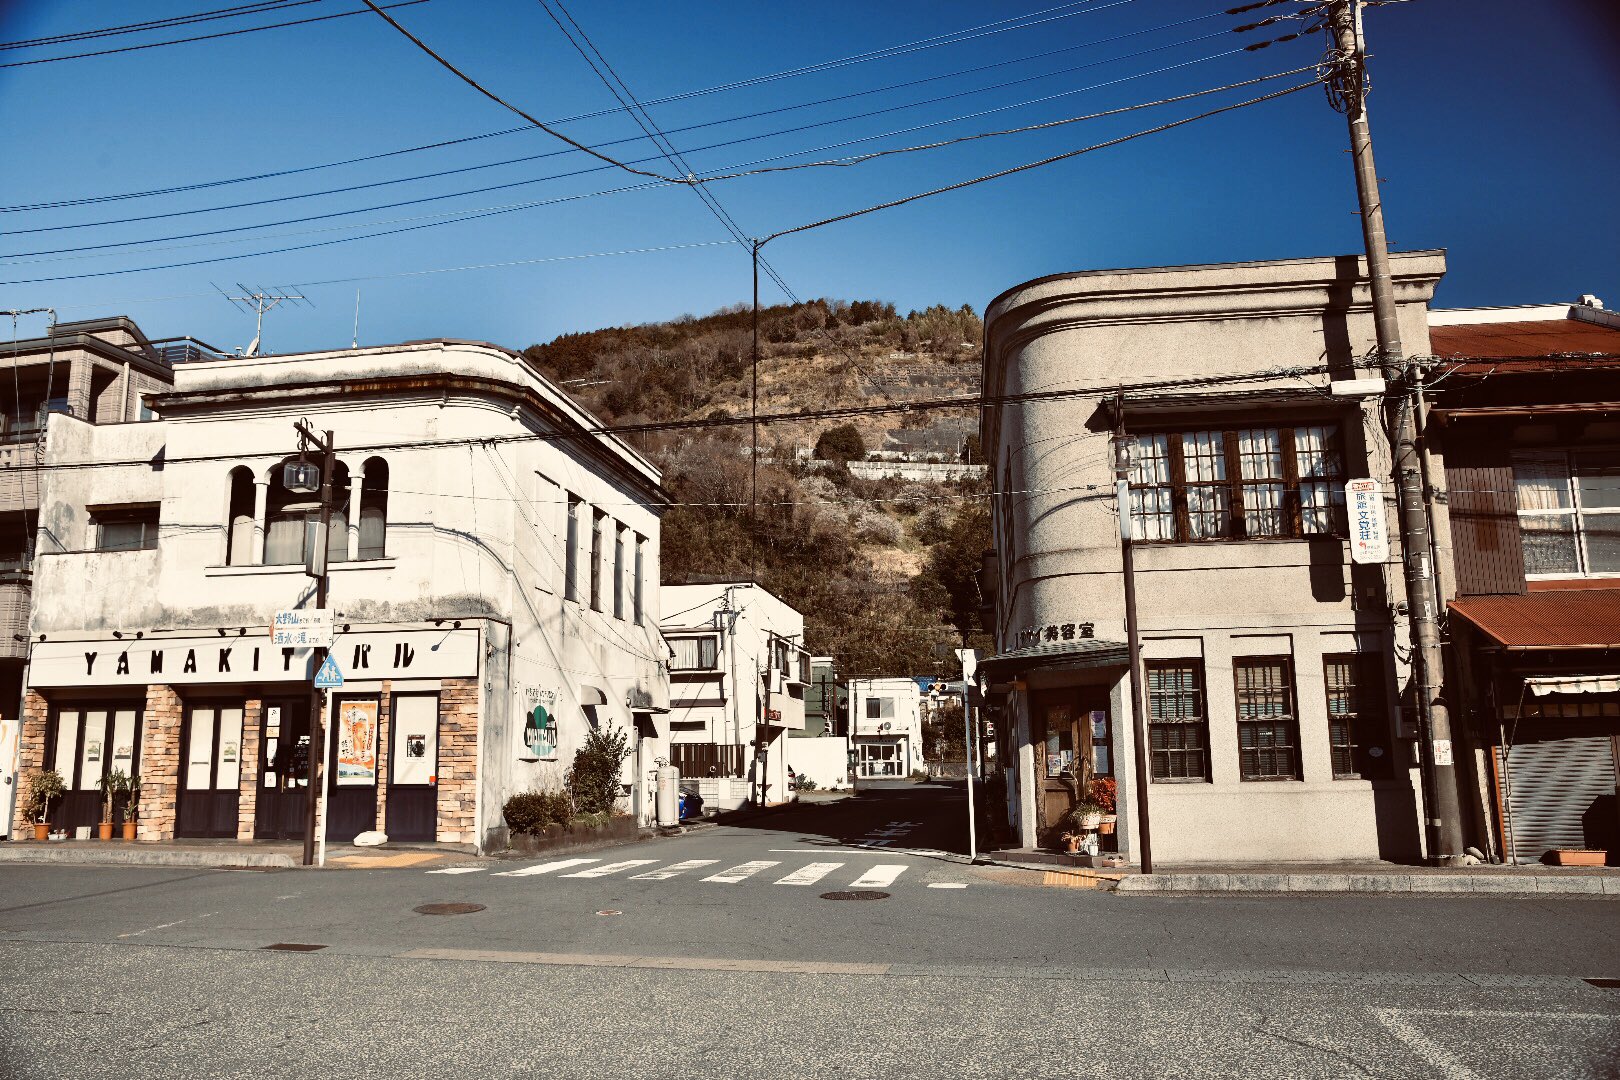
(715, 955)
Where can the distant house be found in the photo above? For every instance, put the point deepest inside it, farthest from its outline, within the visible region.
(1526, 438)
(738, 675)
(886, 725)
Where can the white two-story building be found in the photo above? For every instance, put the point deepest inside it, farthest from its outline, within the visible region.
(738, 673)
(886, 719)
(494, 587)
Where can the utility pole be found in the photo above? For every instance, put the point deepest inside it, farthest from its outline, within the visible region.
(315, 565)
(1347, 91)
(1133, 639)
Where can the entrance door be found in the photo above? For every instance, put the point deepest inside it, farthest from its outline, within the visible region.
(879, 760)
(283, 770)
(210, 772)
(1074, 743)
(87, 743)
(413, 767)
(351, 789)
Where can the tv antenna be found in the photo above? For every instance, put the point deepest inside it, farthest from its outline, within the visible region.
(259, 300)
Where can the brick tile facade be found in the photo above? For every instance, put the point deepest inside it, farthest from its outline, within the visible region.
(160, 762)
(31, 748)
(248, 790)
(458, 761)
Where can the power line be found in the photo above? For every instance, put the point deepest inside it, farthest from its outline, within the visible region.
(201, 185)
(153, 24)
(201, 37)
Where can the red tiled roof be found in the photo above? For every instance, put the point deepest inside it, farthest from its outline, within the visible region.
(1545, 337)
(1565, 619)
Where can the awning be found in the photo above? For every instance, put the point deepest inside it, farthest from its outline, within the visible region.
(1079, 653)
(1542, 685)
(1556, 619)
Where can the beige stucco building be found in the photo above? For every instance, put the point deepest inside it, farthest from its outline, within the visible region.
(1272, 660)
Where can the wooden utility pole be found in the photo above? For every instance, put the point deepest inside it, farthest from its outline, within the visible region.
(1348, 93)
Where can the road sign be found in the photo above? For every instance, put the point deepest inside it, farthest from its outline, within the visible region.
(302, 629)
(1369, 538)
(329, 677)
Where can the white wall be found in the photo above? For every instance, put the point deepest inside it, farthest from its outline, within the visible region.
(824, 760)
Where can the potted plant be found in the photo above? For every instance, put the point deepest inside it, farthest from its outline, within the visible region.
(1087, 815)
(44, 787)
(132, 809)
(112, 784)
(1104, 792)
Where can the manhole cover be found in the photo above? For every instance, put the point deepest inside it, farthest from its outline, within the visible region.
(857, 894)
(291, 946)
(448, 909)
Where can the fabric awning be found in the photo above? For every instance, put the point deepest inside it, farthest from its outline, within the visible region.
(1542, 685)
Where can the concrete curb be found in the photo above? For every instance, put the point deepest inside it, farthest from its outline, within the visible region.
(135, 856)
(1493, 884)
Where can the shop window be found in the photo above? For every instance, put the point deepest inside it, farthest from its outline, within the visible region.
(1178, 726)
(694, 653)
(126, 528)
(1357, 730)
(571, 559)
(1268, 741)
(239, 515)
(373, 510)
(1569, 512)
(1249, 483)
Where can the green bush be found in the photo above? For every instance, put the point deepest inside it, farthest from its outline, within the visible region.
(594, 779)
(532, 811)
(806, 784)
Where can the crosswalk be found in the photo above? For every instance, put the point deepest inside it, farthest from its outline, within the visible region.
(708, 871)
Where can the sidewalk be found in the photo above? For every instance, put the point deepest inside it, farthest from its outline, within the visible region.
(1361, 877)
(224, 854)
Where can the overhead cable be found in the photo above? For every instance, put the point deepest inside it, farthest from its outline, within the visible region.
(157, 24)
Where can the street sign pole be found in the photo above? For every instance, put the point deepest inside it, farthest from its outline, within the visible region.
(326, 766)
(317, 784)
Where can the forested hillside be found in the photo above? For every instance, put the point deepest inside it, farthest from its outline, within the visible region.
(882, 569)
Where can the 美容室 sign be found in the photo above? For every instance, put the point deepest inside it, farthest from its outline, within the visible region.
(1369, 534)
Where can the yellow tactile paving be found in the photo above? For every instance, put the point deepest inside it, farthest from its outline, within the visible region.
(404, 858)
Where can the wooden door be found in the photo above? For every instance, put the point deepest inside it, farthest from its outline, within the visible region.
(413, 767)
(283, 770)
(210, 771)
(1073, 726)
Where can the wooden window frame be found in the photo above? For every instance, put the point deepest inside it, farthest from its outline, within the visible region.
(1369, 717)
(147, 515)
(1290, 722)
(1234, 481)
(1201, 725)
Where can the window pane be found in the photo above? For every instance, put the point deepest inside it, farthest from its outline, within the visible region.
(1599, 479)
(1602, 543)
(1263, 510)
(1321, 508)
(122, 536)
(1152, 498)
(1549, 543)
(1204, 457)
(1316, 452)
(1260, 454)
(1542, 481)
(1208, 515)
(284, 540)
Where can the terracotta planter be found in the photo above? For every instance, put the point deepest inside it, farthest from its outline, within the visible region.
(42, 830)
(104, 830)
(1073, 844)
(1106, 827)
(1574, 857)
(129, 830)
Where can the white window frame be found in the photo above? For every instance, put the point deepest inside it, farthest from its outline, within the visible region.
(1576, 510)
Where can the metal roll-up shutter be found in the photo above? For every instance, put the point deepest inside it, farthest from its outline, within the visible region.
(1555, 773)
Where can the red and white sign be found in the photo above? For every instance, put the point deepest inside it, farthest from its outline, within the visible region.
(1369, 535)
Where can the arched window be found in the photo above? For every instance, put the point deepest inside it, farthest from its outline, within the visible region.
(239, 518)
(287, 514)
(374, 510)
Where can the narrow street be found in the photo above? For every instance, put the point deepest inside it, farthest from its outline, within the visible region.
(718, 953)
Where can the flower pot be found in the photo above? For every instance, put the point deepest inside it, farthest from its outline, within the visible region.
(1106, 826)
(1072, 844)
(1575, 857)
(104, 830)
(129, 830)
(42, 830)
(1090, 821)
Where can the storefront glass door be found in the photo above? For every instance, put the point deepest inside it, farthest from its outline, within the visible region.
(283, 770)
(210, 771)
(88, 742)
(879, 760)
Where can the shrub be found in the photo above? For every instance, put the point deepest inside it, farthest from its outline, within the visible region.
(594, 778)
(806, 784)
(841, 443)
(532, 811)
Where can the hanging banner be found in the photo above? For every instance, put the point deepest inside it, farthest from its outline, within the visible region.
(1369, 536)
(357, 743)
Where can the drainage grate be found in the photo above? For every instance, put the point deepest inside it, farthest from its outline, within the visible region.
(857, 894)
(1604, 984)
(448, 909)
(292, 946)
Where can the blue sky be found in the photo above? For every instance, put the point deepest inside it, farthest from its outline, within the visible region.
(1497, 127)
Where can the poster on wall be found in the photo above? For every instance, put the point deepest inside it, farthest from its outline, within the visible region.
(357, 743)
(539, 724)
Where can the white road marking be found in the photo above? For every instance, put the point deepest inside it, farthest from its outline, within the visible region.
(880, 875)
(544, 868)
(947, 884)
(741, 871)
(612, 868)
(673, 870)
(165, 926)
(1430, 1051)
(458, 870)
(809, 875)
